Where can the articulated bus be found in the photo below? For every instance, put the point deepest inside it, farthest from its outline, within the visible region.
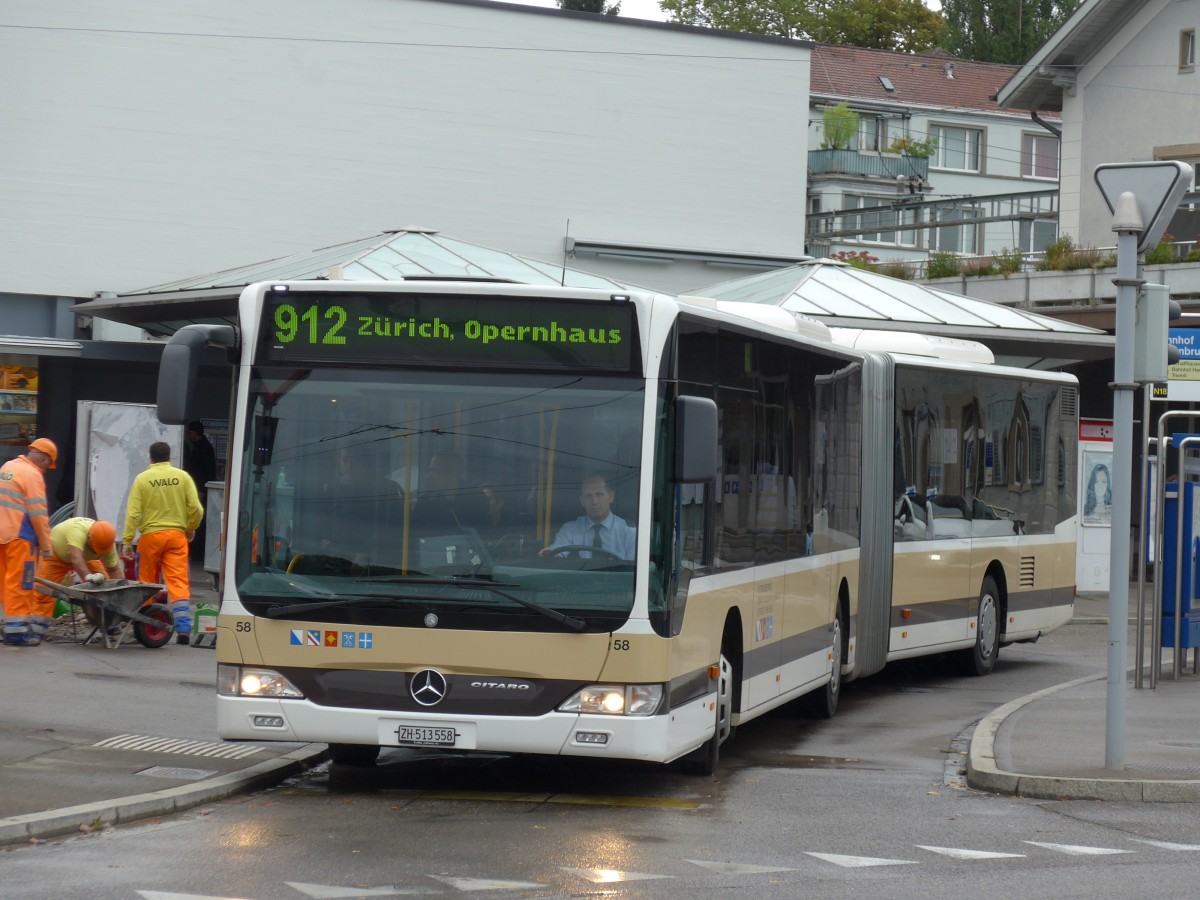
(416, 470)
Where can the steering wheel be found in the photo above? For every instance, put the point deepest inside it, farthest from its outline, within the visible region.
(587, 548)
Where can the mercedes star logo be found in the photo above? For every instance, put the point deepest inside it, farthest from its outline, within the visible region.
(428, 687)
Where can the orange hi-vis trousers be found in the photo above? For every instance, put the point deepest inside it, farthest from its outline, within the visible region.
(166, 551)
(27, 613)
(165, 554)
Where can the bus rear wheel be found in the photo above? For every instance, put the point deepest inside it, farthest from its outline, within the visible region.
(981, 659)
(353, 754)
(704, 759)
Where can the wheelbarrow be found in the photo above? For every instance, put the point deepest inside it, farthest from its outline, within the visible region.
(115, 606)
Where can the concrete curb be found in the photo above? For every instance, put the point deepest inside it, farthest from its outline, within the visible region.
(71, 819)
(983, 773)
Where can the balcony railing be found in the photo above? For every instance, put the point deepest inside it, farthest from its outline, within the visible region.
(889, 166)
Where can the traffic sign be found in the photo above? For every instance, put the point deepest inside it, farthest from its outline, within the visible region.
(1183, 378)
(1156, 186)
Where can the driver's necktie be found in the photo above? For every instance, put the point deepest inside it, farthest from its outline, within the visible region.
(596, 536)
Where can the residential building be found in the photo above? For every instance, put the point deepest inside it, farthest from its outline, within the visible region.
(935, 163)
(1122, 76)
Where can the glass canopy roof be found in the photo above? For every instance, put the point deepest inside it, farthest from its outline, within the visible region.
(394, 256)
(834, 289)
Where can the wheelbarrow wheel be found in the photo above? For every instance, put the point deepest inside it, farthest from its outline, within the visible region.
(154, 636)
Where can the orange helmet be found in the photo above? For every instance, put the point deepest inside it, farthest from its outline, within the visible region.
(103, 536)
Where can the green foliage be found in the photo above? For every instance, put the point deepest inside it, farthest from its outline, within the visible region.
(1063, 256)
(942, 264)
(840, 124)
(1001, 31)
(1008, 262)
(978, 267)
(904, 25)
(911, 146)
(1163, 252)
(894, 269)
(860, 260)
(600, 7)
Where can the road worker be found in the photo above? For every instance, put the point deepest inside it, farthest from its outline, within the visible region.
(25, 531)
(164, 508)
(83, 546)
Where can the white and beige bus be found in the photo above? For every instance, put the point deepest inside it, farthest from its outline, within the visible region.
(495, 517)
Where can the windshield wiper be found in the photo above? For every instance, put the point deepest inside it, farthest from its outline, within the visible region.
(275, 612)
(575, 623)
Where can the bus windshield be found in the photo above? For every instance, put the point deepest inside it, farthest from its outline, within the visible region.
(482, 500)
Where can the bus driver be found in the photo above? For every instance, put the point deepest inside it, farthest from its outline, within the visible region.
(599, 527)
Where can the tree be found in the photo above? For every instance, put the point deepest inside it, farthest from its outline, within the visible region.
(908, 26)
(905, 25)
(1001, 31)
(600, 7)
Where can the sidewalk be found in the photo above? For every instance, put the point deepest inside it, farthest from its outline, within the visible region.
(94, 737)
(1052, 744)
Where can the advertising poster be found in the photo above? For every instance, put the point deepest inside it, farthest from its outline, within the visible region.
(1097, 490)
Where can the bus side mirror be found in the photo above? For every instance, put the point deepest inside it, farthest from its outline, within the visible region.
(180, 364)
(695, 440)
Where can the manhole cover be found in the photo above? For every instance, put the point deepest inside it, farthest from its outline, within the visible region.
(178, 773)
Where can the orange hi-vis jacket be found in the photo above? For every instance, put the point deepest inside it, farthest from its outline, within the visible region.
(23, 510)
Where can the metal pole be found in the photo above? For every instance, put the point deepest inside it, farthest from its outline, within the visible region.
(1179, 653)
(1118, 594)
(1160, 492)
(1160, 518)
(1143, 536)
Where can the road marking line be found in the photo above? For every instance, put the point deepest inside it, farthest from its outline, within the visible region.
(1073, 850)
(860, 862)
(958, 853)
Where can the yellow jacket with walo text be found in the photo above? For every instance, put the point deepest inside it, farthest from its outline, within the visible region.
(162, 498)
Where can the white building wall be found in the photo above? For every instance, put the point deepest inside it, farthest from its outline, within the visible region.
(1131, 99)
(148, 141)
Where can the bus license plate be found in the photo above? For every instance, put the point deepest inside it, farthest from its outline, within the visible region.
(424, 736)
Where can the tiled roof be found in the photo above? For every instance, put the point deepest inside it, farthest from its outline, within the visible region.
(918, 79)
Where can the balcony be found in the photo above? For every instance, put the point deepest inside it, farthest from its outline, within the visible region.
(885, 166)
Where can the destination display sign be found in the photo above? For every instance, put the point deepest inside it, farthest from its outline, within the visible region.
(448, 330)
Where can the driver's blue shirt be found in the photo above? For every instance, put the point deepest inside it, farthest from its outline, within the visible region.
(616, 536)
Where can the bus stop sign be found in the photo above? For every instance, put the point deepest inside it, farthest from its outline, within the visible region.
(1157, 186)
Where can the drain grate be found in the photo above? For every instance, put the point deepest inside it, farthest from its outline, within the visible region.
(177, 773)
(1168, 770)
(173, 745)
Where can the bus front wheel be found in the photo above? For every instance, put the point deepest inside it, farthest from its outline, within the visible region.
(703, 760)
(981, 659)
(823, 703)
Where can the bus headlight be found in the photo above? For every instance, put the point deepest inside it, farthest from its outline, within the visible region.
(615, 700)
(235, 681)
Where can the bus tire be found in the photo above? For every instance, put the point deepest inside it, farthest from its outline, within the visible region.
(353, 754)
(981, 659)
(823, 703)
(705, 758)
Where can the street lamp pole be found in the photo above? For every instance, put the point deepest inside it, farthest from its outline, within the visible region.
(1127, 222)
